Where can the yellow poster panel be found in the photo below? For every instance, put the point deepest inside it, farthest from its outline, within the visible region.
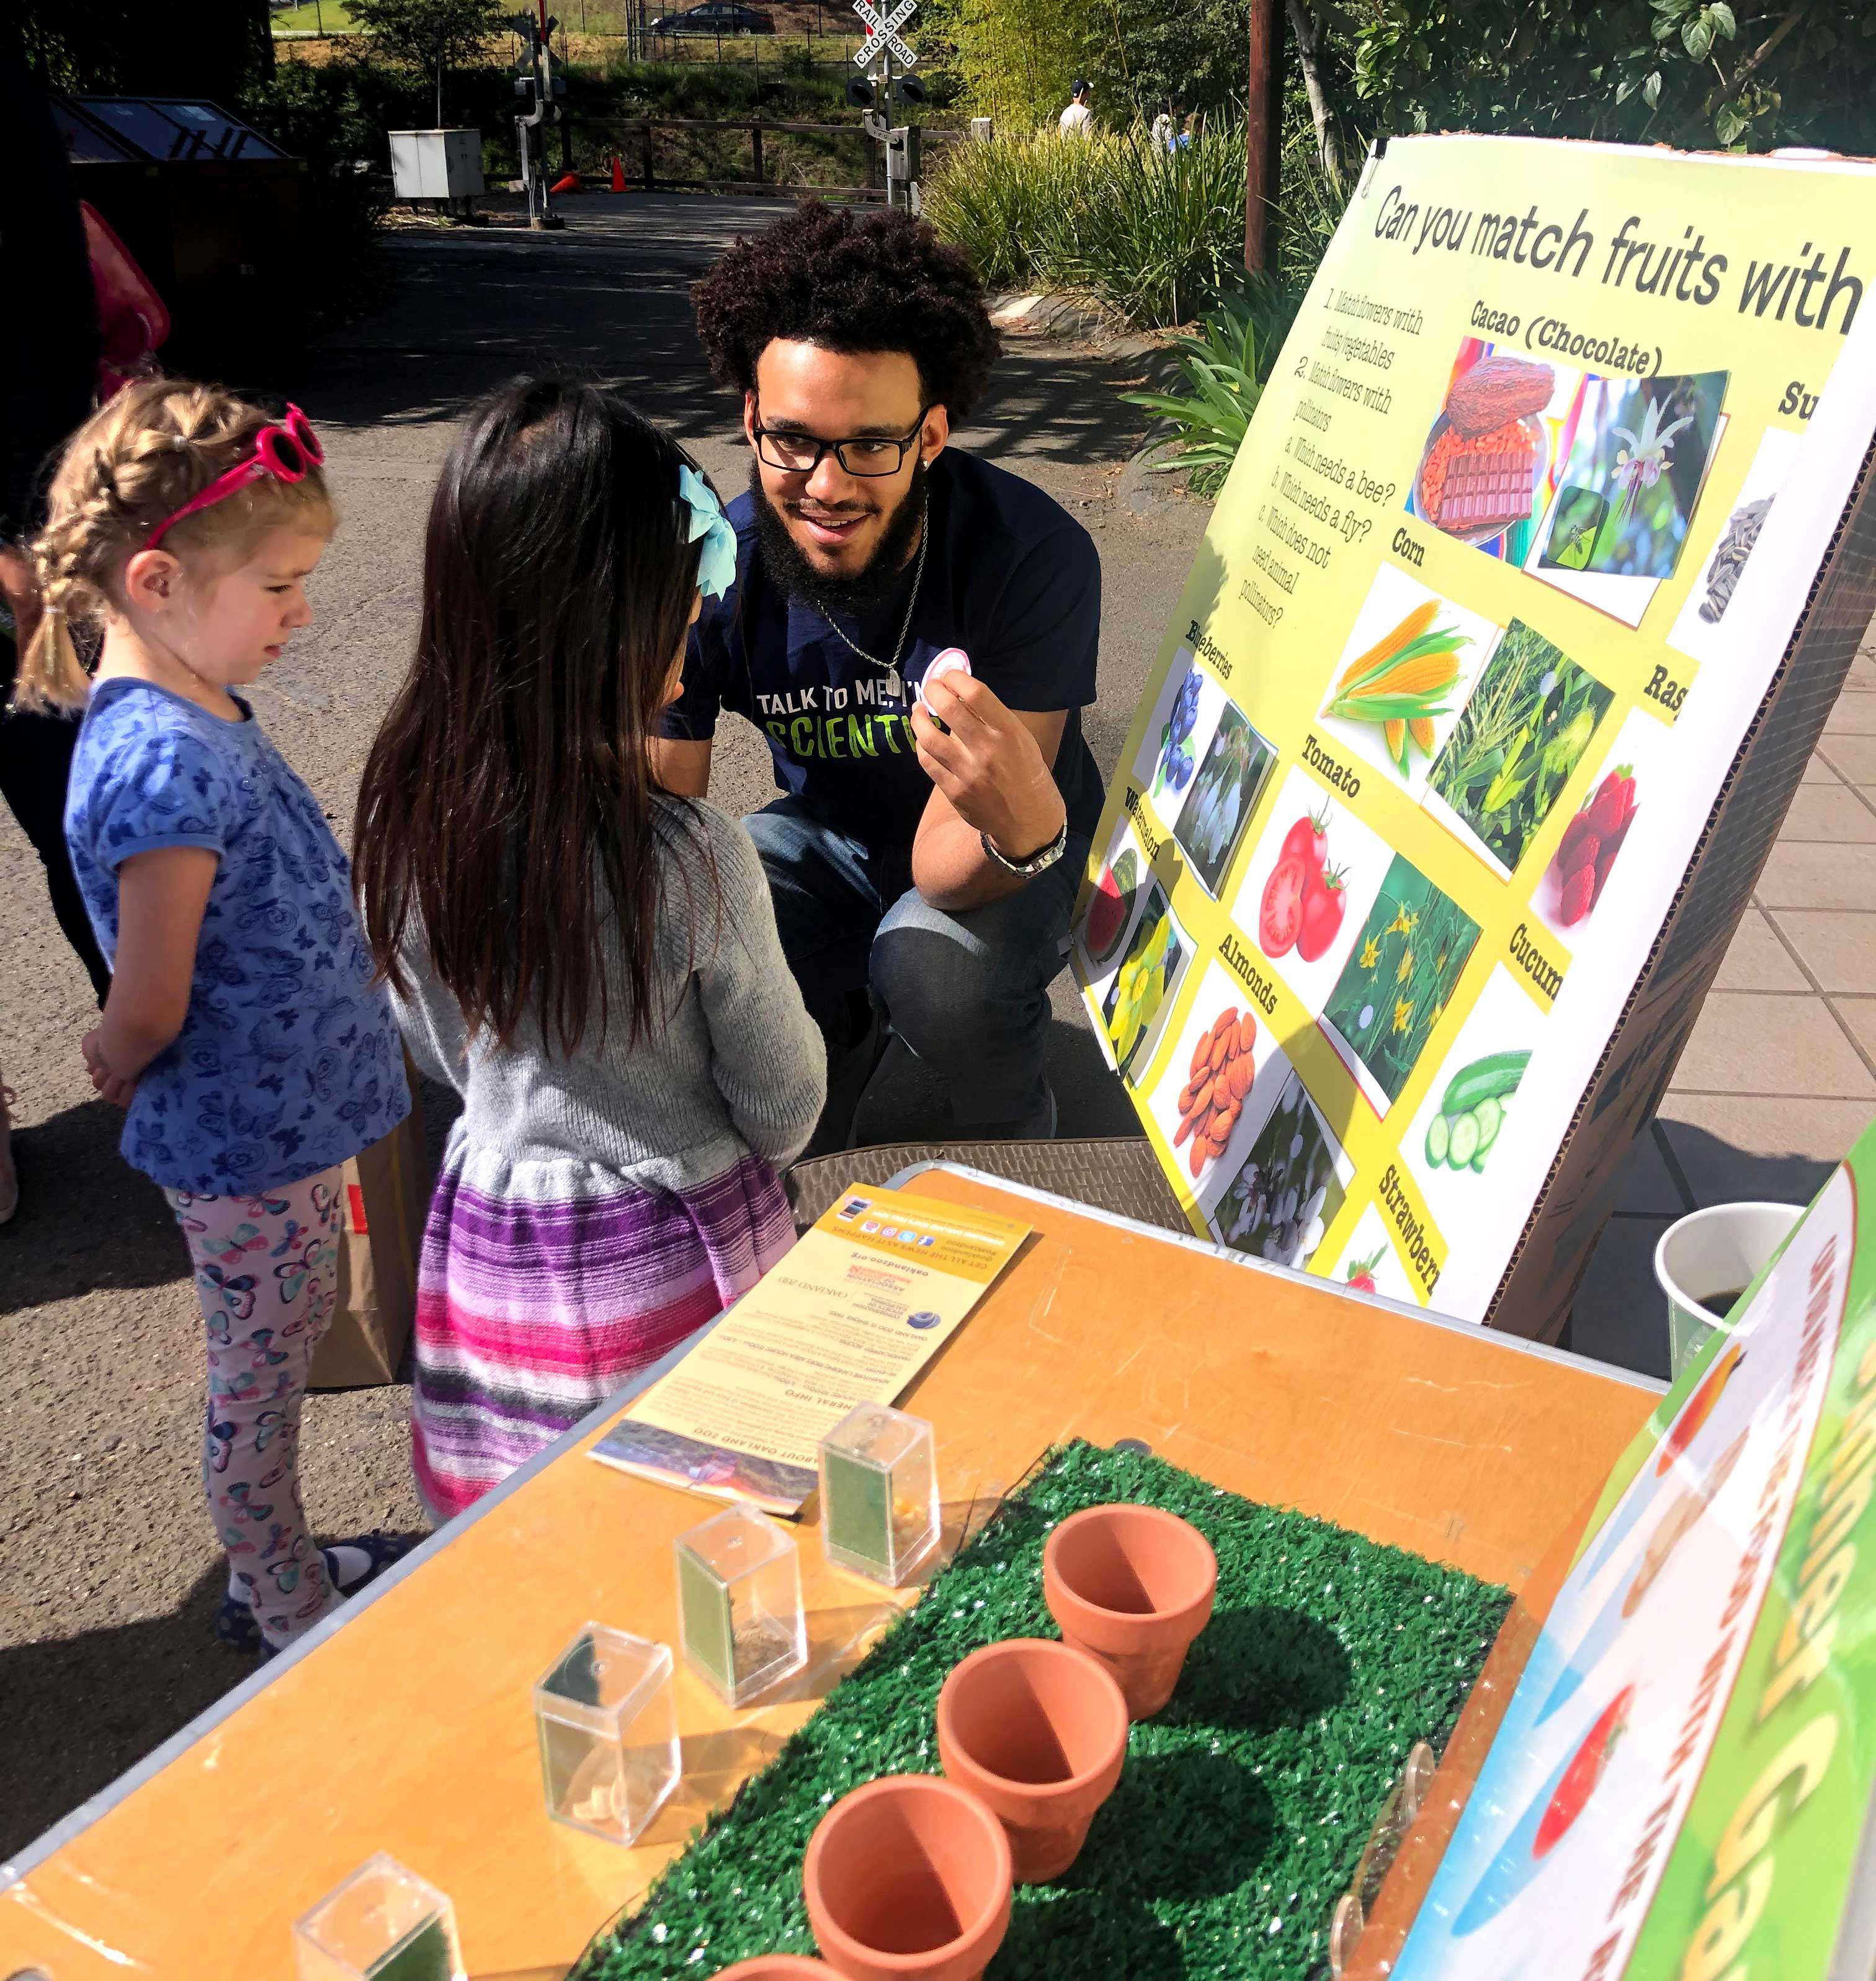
(1524, 520)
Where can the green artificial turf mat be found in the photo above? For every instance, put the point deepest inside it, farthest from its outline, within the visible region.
(1244, 1806)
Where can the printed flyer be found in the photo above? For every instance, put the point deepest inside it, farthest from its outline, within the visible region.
(1681, 1782)
(865, 1300)
(1524, 523)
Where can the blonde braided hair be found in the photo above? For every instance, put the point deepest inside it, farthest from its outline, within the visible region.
(159, 443)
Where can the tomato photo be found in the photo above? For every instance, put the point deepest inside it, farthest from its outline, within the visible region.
(1522, 1857)
(1586, 1768)
(1699, 1407)
(1325, 902)
(1308, 841)
(1279, 918)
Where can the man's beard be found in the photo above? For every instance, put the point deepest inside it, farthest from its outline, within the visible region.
(871, 586)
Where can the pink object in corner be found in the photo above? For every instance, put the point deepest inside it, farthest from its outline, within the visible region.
(132, 321)
(953, 661)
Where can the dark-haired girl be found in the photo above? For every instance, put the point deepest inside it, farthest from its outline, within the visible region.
(591, 962)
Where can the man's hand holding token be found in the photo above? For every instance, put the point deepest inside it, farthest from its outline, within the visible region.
(989, 766)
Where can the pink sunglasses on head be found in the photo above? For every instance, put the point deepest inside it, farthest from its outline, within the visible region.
(286, 451)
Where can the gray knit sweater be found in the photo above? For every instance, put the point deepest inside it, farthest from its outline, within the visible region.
(738, 1065)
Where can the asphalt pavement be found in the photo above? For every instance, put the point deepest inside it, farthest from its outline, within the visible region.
(109, 1574)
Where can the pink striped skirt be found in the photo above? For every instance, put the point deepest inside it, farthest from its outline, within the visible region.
(532, 1310)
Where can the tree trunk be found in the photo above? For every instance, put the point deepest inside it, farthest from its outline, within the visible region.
(1262, 135)
(1308, 39)
(439, 92)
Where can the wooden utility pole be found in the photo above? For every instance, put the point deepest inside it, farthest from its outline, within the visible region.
(1263, 128)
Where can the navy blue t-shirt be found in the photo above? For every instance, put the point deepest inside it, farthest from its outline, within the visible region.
(1009, 577)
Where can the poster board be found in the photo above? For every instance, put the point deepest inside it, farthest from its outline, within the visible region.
(1681, 1782)
(1522, 606)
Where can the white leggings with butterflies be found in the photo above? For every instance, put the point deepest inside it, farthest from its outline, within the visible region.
(266, 1269)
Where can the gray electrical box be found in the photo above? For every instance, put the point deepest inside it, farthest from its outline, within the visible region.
(436, 164)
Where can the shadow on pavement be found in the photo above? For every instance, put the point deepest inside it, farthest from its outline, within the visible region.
(90, 1719)
(87, 1220)
(1718, 1172)
(610, 298)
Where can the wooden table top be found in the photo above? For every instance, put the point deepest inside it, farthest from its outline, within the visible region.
(411, 1728)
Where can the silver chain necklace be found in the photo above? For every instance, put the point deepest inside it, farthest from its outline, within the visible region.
(894, 685)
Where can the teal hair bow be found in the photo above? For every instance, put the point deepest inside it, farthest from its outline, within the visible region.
(716, 564)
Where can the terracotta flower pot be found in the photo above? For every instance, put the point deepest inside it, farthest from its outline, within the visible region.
(1133, 1586)
(777, 1967)
(908, 1876)
(1039, 1730)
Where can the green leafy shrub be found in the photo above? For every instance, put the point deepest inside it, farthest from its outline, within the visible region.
(1155, 239)
(1226, 363)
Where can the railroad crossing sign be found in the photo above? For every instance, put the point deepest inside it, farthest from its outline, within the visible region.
(883, 33)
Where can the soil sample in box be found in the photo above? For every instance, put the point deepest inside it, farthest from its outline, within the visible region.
(606, 1715)
(739, 1604)
(384, 1923)
(879, 1489)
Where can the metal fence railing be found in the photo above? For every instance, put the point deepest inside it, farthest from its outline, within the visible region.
(747, 154)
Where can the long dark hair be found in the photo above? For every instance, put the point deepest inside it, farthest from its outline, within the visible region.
(557, 584)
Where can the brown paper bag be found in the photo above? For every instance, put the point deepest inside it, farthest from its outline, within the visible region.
(387, 1192)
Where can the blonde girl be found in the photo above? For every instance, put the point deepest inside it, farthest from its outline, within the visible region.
(243, 1035)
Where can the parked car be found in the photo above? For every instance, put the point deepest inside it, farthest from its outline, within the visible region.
(716, 17)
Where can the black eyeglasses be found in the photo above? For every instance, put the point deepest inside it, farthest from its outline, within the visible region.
(865, 455)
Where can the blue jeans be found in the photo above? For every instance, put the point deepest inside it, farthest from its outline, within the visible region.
(968, 992)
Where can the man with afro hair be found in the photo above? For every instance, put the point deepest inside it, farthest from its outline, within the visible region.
(924, 851)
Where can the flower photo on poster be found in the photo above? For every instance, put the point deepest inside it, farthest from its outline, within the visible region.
(1231, 778)
(1627, 493)
(1517, 744)
(1141, 991)
(1395, 987)
(1291, 1185)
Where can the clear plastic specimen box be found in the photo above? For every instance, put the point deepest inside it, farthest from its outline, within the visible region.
(384, 1923)
(607, 1719)
(739, 1604)
(879, 1482)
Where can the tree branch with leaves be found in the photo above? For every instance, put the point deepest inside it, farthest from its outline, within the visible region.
(434, 35)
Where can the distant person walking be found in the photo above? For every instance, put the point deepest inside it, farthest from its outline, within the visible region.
(1173, 129)
(1078, 118)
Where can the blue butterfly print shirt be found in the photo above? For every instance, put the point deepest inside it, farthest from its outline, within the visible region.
(289, 1061)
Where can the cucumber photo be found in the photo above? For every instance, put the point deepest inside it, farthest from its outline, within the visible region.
(1487, 1079)
(1472, 1111)
(1489, 1114)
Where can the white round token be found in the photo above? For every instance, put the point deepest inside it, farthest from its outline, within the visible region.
(953, 661)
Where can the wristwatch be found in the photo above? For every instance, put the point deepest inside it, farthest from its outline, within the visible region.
(1036, 863)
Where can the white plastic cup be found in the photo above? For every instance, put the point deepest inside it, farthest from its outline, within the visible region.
(1709, 1254)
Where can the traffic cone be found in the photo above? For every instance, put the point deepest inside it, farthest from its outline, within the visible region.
(618, 173)
(570, 183)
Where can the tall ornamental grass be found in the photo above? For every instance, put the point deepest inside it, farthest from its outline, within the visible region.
(1156, 237)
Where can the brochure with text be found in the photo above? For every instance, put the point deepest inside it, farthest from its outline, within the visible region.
(860, 1305)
